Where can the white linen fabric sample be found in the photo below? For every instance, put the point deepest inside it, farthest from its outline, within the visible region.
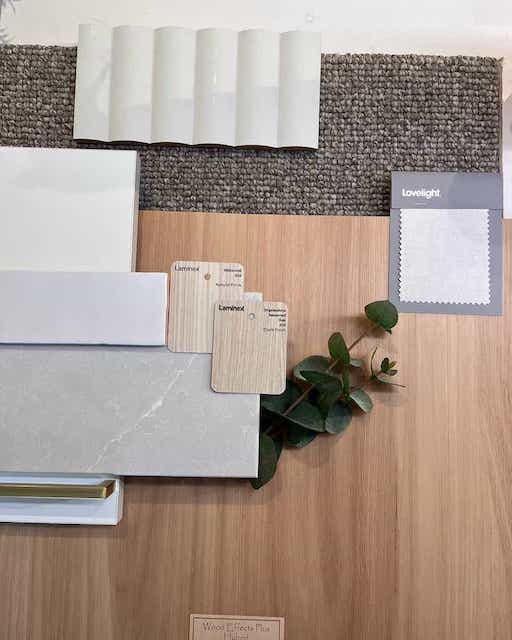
(444, 256)
(212, 86)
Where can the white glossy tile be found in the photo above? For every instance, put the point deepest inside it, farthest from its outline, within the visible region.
(68, 209)
(54, 307)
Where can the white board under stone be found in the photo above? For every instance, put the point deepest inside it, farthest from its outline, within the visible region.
(108, 511)
(83, 308)
(123, 411)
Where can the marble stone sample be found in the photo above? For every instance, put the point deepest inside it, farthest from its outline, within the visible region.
(41, 307)
(123, 411)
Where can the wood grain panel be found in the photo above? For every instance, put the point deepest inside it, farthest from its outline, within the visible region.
(398, 529)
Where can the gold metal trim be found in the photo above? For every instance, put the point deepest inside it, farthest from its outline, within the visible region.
(41, 490)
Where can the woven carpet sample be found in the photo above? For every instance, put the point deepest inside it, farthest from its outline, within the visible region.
(377, 113)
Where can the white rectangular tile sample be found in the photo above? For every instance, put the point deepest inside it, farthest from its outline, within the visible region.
(444, 256)
(68, 209)
(212, 86)
(52, 307)
(89, 511)
(122, 411)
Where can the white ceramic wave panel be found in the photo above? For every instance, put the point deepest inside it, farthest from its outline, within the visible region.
(40, 307)
(68, 209)
(212, 86)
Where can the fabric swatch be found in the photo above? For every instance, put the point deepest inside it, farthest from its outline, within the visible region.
(444, 256)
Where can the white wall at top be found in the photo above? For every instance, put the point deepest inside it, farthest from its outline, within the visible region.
(445, 27)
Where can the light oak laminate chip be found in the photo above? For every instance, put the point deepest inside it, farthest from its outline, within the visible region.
(249, 347)
(195, 287)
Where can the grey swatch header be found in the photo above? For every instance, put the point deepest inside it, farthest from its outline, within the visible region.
(430, 190)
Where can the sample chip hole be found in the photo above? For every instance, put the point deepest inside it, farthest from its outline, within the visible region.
(252, 316)
(207, 276)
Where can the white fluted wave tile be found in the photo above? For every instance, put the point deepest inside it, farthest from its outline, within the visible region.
(83, 308)
(122, 411)
(212, 86)
(68, 209)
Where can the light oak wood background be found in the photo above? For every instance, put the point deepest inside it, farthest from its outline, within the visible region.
(398, 529)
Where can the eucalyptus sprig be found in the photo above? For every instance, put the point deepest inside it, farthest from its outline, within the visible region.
(321, 396)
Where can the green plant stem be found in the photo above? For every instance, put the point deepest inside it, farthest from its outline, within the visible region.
(333, 364)
(363, 335)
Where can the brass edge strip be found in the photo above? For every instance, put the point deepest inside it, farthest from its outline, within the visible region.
(43, 490)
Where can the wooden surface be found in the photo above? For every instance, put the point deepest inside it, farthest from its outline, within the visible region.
(399, 529)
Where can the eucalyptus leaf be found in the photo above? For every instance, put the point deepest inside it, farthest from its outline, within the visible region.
(384, 379)
(313, 363)
(298, 437)
(392, 372)
(326, 400)
(345, 376)
(267, 461)
(338, 348)
(362, 400)
(371, 360)
(317, 377)
(382, 313)
(279, 404)
(308, 416)
(384, 365)
(338, 418)
(278, 444)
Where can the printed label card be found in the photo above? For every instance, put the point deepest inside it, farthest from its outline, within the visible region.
(195, 287)
(249, 347)
(207, 627)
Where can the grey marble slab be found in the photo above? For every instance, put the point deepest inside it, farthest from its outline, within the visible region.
(123, 411)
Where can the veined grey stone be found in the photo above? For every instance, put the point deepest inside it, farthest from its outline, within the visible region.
(123, 411)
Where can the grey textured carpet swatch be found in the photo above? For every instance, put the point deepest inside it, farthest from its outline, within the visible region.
(377, 113)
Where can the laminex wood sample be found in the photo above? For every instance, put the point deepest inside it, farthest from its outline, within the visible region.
(68, 209)
(195, 287)
(83, 308)
(249, 346)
